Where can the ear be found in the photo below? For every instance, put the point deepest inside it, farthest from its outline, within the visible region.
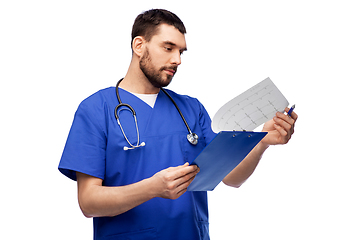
(138, 45)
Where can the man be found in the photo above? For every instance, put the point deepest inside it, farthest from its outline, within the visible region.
(140, 193)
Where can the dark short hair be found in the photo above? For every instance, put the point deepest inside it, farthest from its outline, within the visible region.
(147, 23)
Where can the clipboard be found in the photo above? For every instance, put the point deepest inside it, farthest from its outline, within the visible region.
(221, 156)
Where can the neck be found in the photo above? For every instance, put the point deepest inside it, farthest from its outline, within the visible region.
(135, 81)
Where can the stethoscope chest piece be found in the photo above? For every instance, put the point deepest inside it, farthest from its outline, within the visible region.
(192, 138)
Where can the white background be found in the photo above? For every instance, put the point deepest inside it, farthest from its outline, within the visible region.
(53, 54)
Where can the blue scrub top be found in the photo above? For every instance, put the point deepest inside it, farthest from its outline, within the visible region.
(95, 147)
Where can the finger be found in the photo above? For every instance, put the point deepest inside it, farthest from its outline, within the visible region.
(286, 124)
(180, 166)
(284, 135)
(286, 118)
(173, 169)
(281, 130)
(183, 186)
(285, 129)
(293, 115)
(193, 169)
(185, 178)
(180, 171)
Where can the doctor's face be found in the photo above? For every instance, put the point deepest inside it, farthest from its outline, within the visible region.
(162, 55)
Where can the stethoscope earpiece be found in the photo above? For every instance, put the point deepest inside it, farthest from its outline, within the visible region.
(191, 137)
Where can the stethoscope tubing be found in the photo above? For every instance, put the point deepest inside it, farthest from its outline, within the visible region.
(182, 116)
(192, 137)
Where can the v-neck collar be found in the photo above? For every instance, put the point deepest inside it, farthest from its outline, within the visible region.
(141, 100)
(149, 99)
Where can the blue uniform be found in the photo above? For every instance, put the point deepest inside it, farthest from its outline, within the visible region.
(95, 147)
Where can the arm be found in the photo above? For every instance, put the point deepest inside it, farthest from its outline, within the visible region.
(96, 200)
(280, 130)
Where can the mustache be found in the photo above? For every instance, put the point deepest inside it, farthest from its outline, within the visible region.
(174, 68)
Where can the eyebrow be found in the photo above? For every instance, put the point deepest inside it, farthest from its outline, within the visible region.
(173, 44)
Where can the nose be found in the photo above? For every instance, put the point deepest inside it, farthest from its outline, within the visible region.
(176, 58)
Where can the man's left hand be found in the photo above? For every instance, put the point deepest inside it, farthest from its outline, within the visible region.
(280, 128)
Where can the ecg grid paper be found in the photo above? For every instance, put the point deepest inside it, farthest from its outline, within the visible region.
(251, 108)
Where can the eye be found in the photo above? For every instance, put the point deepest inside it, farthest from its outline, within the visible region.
(168, 49)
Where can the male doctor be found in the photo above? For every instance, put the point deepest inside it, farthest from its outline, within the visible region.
(142, 193)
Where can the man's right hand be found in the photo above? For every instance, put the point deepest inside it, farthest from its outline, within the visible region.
(172, 182)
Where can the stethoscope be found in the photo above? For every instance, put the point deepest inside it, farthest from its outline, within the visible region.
(191, 137)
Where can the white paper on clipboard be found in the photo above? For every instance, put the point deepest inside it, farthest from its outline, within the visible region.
(250, 109)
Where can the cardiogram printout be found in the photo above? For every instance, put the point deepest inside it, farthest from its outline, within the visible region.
(250, 109)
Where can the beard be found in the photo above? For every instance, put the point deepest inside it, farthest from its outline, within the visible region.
(153, 75)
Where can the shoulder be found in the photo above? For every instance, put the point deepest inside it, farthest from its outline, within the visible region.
(98, 97)
(97, 107)
(188, 103)
(98, 101)
(183, 98)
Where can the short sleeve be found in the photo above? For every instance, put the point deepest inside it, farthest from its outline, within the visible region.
(85, 148)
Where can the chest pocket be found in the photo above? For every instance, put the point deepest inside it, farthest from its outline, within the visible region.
(190, 152)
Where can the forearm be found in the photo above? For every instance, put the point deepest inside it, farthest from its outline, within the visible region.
(100, 201)
(247, 166)
(97, 200)
(279, 131)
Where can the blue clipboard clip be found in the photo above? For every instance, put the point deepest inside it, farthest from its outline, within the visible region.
(221, 156)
